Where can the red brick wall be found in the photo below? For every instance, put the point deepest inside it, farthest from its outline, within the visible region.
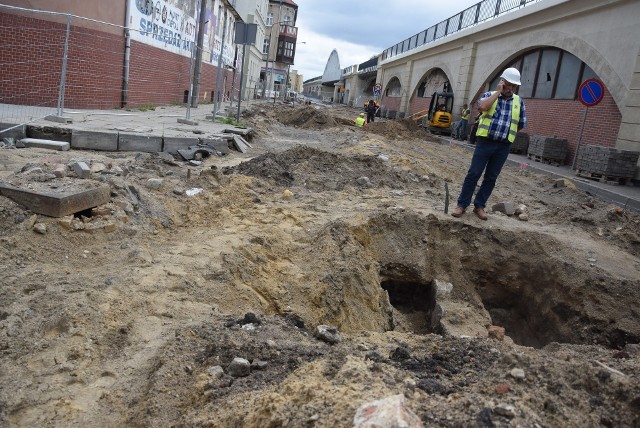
(31, 63)
(95, 67)
(22, 39)
(563, 118)
(391, 103)
(160, 77)
(417, 104)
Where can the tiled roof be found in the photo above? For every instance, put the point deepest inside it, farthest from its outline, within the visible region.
(288, 2)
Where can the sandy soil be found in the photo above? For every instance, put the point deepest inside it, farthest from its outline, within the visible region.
(121, 316)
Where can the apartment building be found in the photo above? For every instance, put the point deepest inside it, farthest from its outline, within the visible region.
(253, 12)
(279, 47)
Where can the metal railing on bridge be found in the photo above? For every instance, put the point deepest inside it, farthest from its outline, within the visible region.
(480, 12)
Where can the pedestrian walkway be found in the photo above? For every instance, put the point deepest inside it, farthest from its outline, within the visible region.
(160, 121)
(625, 196)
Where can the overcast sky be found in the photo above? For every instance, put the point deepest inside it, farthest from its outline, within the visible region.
(360, 29)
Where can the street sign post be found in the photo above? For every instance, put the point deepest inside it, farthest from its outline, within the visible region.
(245, 35)
(590, 93)
(377, 89)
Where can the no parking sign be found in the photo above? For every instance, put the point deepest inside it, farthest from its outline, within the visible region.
(591, 92)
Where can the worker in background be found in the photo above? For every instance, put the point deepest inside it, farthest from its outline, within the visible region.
(360, 120)
(371, 111)
(461, 127)
(503, 115)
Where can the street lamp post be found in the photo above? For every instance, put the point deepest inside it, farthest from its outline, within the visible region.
(266, 79)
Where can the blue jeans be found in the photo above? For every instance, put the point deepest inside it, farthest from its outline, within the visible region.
(489, 157)
(462, 124)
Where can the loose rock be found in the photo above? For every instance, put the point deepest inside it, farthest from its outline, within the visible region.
(327, 334)
(239, 367)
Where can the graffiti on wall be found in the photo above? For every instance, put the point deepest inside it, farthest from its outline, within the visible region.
(161, 23)
(172, 25)
(213, 40)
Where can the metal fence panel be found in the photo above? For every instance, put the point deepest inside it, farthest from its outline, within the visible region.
(53, 63)
(31, 61)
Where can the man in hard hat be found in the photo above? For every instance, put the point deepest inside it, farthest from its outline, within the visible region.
(360, 120)
(503, 115)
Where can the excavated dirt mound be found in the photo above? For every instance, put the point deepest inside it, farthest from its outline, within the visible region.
(307, 117)
(407, 128)
(318, 170)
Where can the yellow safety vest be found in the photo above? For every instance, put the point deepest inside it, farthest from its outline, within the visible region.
(465, 114)
(360, 121)
(487, 117)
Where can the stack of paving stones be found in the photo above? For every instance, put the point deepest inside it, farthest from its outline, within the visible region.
(548, 149)
(521, 144)
(607, 163)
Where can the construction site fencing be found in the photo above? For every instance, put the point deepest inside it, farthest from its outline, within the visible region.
(54, 62)
(480, 12)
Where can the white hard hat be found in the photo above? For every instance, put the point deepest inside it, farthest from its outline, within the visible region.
(511, 75)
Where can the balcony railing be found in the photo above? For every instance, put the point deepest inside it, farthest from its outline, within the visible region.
(288, 31)
(480, 12)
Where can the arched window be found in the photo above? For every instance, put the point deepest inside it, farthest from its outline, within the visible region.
(435, 81)
(394, 88)
(548, 73)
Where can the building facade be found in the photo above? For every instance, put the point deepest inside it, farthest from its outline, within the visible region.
(253, 12)
(279, 47)
(125, 54)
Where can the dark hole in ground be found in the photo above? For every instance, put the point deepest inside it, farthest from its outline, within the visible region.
(414, 303)
(531, 305)
(522, 320)
(88, 213)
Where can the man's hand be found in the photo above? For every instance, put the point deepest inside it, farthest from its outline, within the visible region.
(500, 86)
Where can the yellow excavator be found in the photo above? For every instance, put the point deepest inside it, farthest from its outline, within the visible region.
(438, 120)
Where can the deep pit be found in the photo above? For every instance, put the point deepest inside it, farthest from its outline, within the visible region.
(413, 303)
(537, 299)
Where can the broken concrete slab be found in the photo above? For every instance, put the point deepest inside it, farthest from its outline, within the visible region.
(59, 119)
(57, 204)
(139, 143)
(243, 140)
(90, 140)
(173, 144)
(188, 122)
(198, 152)
(46, 144)
(82, 170)
(240, 144)
(49, 133)
(219, 144)
(244, 132)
